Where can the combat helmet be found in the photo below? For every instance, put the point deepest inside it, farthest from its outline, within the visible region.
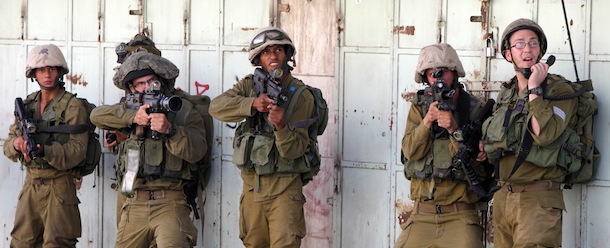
(43, 56)
(140, 42)
(521, 24)
(435, 56)
(270, 36)
(143, 63)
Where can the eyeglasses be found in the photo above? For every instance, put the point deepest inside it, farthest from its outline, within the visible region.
(154, 81)
(521, 44)
(262, 37)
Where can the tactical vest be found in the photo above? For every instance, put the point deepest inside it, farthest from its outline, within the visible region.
(155, 160)
(437, 162)
(506, 128)
(254, 145)
(49, 118)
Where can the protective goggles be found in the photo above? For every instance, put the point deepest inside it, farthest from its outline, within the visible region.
(268, 35)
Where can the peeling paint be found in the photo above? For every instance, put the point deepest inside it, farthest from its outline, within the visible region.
(408, 30)
(77, 79)
(408, 95)
(476, 74)
(404, 211)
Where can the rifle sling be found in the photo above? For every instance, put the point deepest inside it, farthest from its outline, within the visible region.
(70, 129)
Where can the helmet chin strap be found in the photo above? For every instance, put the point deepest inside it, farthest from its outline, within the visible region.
(285, 65)
(519, 68)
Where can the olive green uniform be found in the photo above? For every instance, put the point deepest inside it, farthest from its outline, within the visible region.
(158, 213)
(530, 215)
(271, 205)
(47, 211)
(444, 214)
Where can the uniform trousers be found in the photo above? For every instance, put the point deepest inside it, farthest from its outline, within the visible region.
(527, 219)
(47, 214)
(277, 222)
(457, 229)
(158, 218)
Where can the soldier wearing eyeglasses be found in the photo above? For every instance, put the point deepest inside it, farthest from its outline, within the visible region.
(268, 151)
(528, 207)
(158, 159)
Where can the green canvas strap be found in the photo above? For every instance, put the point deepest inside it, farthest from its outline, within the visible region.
(60, 118)
(290, 110)
(293, 102)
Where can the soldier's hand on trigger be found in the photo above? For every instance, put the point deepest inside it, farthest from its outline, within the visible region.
(276, 116)
(431, 115)
(159, 122)
(261, 103)
(539, 73)
(446, 121)
(24, 151)
(18, 144)
(142, 118)
(21, 145)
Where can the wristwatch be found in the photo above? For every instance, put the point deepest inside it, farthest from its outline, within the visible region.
(457, 135)
(172, 131)
(536, 91)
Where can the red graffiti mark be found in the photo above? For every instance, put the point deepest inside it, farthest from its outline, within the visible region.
(205, 87)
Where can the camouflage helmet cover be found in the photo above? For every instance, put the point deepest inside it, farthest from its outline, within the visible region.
(143, 63)
(141, 41)
(435, 56)
(521, 24)
(255, 48)
(43, 56)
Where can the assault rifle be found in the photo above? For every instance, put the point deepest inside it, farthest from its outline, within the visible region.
(27, 128)
(469, 149)
(441, 92)
(268, 84)
(158, 102)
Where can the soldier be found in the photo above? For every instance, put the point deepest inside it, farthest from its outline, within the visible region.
(445, 213)
(47, 211)
(157, 160)
(113, 139)
(271, 206)
(528, 208)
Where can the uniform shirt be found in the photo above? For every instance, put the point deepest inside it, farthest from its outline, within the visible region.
(416, 143)
(235, 105)
(553, 117)
(188, 143)
(62, 157)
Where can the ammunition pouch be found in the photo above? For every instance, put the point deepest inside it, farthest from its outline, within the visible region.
(256, 151)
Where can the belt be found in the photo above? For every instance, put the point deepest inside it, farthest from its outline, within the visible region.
(443, 209)
(157, 194)
(48, 181)
(536, 186)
